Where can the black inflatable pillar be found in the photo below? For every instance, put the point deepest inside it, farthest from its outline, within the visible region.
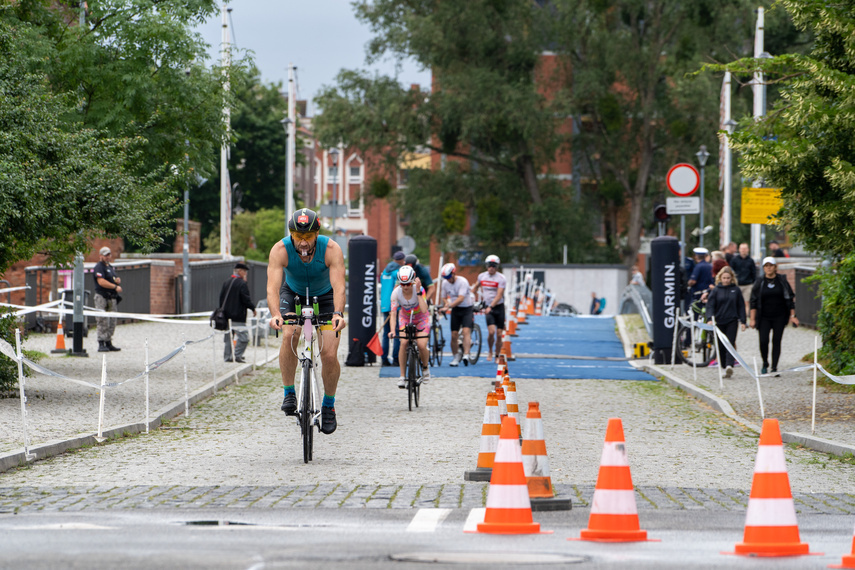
(665, 270)
(362, 298)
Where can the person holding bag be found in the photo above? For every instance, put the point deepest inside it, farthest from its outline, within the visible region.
(726, 305)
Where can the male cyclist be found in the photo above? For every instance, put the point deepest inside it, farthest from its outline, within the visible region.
(410, 307)
(423, 276)
(457, 299)
(492, 285)
(314, 261)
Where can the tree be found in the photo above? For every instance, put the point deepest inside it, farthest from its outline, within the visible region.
(487, 115)
(638, 111)
(61, 183)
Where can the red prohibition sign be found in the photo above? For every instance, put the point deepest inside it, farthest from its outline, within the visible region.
(683, 180)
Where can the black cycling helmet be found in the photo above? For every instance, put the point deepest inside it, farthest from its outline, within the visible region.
(304, 220)
(411, 260)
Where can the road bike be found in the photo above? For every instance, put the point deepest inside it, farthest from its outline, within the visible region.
(700, 350)
(414, 365)
(436, 340)
(308, 396)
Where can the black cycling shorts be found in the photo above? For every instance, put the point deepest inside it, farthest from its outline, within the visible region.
(287, 300)
(462, 317)
(496, 316)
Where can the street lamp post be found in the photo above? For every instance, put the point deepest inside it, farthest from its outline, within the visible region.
(702, 155)
(334, 157)
(286, 122)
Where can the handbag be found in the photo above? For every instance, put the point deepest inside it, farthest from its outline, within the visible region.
(218, 319)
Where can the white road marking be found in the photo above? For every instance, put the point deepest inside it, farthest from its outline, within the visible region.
(475, 516)
(426, 520)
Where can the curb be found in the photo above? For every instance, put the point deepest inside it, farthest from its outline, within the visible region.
(723, 406)
(15, 459)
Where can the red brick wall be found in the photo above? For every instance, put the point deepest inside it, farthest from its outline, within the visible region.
(195, 237)
(162, 296)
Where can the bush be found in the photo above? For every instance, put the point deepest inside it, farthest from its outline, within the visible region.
(8, 367)
(837, 317)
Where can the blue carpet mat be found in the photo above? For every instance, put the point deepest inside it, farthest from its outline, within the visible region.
(553, 336)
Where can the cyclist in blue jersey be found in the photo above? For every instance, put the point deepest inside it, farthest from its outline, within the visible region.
(314, 261)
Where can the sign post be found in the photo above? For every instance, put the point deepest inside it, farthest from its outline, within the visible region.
(683, 180)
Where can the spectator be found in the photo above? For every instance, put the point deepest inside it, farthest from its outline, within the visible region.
(718, 261)
(424, 279)
(701, 278)
(727, 306)
(773, 305)
(637, 277)
(596, 306)
(729, 251)
(235, 300)
(775, 250)
(387, 285)
(745, 269)
(108, 291)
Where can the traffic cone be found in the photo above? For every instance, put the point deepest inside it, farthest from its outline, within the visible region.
(512, 327)
(848, 560)
(506, 347)
(508, 506)
(490, 429)
(614, 515)
(513, 405)
(521, 316)
(538, 308)
(501, 366)
(503, 405)
(536, 465)
(770, 523)
(60, 337)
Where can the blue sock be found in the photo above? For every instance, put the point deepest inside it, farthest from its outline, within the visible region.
(329, 401)
(290, 390)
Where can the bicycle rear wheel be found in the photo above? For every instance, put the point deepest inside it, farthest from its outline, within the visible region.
(698, 353)
(412, 362)
(306, 414)
(437, 344)
(475, 345)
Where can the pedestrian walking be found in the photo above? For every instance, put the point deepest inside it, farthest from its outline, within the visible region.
(773, 305)
(235, 300)
(727, 307)
(107, 296)
(745, 269)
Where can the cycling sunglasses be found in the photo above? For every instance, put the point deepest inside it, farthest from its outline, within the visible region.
(303, 236)
(491, 264)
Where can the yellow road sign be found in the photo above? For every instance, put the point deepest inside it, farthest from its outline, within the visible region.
(759, 205)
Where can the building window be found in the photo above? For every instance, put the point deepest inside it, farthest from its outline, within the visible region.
(355, 171)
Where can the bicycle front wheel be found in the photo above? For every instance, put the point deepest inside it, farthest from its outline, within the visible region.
(437, 345)
(306, 413)
(475, 345)
(694, 352)
(412, 362)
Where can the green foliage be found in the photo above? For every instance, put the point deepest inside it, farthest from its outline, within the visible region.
(253, 233)
(380, 187)
(454, 217)
(62, 183)
(806, 144)
(8, 367)
(838, 315)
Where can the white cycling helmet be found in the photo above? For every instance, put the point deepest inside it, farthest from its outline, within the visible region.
(492, 259)
(406, 275)
(447, 270)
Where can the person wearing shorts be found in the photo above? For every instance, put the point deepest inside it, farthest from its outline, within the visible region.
(315, 263)
(411, 308)
(457, 299)
(492, 285)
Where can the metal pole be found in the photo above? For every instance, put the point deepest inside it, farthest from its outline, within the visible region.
(291, 142)
(682, 238)
(759, 96)
(726, 164)
(334, 154)
(185, 254)
(77, 323)
(701, 242)
(225, 187)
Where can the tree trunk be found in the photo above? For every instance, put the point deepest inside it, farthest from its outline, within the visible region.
(525, 167)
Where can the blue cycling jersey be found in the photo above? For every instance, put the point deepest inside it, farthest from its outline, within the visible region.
(315, 274)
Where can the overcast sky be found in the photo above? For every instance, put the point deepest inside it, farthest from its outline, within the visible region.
(320, 37)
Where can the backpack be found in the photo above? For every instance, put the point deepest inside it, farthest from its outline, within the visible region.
(602, 305)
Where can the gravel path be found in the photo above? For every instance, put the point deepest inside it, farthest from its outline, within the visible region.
(239, 436)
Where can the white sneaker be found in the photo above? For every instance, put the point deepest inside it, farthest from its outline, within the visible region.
(728, 372)
(402, 382)
(465, 360)
(426, 375)
(456, 360)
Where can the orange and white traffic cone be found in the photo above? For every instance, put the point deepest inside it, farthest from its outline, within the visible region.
(506, 347)
(503, 405)
(490, 429)
(512, 404)
(501, 366)
(614, 514)
(508, 506)
(540, 490)
(511, 327)
(521, 317)
(770, 523)
(538, 308)
(60, 337)
(848, 560)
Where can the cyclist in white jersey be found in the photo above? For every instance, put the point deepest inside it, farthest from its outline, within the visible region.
(410, 306)
(492, 285)
(457, 300)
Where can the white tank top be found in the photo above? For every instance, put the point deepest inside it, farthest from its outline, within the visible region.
(404, 303)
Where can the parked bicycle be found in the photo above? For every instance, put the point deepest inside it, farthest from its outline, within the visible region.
(699, 351)
(308, 395)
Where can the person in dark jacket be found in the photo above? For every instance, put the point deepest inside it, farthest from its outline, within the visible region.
(746, 270)
(727, 307)
(235, 306)
(773, 305)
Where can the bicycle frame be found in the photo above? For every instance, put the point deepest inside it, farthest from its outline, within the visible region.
(308, 358)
